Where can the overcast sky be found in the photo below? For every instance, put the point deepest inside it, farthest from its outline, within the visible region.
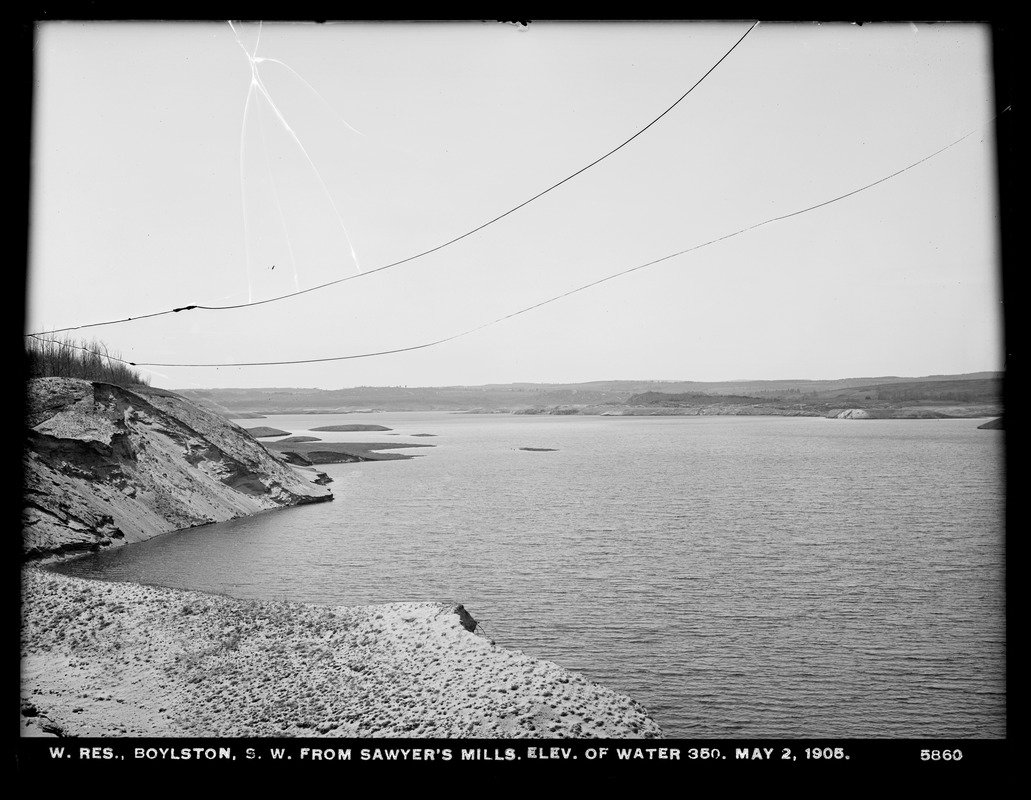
(164, 176)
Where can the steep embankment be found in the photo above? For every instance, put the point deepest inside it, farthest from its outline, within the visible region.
(106, 465)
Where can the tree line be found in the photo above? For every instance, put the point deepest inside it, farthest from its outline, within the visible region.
(67, 358)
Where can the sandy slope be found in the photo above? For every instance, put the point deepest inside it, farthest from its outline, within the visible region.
(106, 465)
(115, 659)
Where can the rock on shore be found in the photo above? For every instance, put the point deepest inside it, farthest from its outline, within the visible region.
(115, 659)
(106, 465)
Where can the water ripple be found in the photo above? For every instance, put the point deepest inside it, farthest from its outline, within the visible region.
(775, 578)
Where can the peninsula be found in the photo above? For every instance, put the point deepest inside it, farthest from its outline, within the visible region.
(109, 465)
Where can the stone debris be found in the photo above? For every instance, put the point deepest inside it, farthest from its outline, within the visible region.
(118, 659)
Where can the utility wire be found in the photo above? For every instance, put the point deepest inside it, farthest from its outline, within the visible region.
(582, 288)
(432, 249)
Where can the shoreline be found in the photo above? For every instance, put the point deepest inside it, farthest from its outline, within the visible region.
(104, 659)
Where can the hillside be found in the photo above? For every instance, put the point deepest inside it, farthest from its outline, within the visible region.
(105, 465)
(974, 394)
(940, 398)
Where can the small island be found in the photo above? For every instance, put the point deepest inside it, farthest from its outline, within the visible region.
(350, 428)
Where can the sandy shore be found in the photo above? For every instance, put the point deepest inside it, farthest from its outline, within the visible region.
(118, 659)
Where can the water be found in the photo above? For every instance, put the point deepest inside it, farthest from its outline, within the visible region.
(741, 577)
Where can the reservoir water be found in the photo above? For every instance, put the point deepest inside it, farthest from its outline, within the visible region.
(756, 577)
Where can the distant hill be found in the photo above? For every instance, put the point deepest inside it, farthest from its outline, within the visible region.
(983, 388)
(895, 391)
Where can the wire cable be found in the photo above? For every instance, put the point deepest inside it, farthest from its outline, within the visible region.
(438, 247)
(578, 289)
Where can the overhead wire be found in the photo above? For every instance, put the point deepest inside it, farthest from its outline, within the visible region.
(408, 259)
(584, 287)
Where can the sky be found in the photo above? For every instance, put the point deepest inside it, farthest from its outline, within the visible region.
(228, 164)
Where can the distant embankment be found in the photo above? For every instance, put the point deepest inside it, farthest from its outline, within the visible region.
(944, 398)
(105, 465)
(974, 394)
